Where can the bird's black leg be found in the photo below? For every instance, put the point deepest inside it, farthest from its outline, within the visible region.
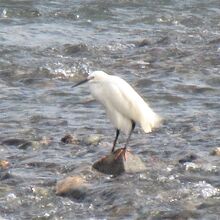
(116, 138)
(123, 150)
(129, 136)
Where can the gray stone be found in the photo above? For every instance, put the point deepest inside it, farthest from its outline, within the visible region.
(115, 165)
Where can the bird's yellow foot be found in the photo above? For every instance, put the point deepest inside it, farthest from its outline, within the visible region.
(121, 152)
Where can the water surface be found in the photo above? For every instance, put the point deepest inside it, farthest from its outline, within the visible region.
(168, 50)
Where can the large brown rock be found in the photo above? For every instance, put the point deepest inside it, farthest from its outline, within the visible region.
(73, 186)
(113, 165)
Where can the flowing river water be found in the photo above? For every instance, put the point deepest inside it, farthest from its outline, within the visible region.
(169, 50)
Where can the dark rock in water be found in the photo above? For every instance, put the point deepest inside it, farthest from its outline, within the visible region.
(70, 49)
(69, 139)
(4, 175)
(14, 141)
(188, 158)
(113, 165)
(175, 215)
(72, 186)
(25, 145)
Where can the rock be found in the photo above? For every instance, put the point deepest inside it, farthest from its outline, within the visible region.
(4, 174)
(35, 144)
(142, 43)
(110, 165)
(191, 166)
(14, 141)
(4, 171)
(69, 139)
(24, 144)
(76, 48)
(4, 164)
(188, 158)
(74, 186)
(92, 139)
(45, 140)
(216, 151)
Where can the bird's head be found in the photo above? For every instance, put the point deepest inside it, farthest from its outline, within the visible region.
(93, 77)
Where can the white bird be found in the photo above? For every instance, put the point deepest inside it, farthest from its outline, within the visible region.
(123, 105)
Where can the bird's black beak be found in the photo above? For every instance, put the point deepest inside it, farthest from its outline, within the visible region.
(81, 82)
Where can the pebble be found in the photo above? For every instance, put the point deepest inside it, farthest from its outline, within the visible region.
(188, 158)
(74, 186)
(142, 43)
(92, 139)
(216, 151)
(4, 164)
(69, 139)
(76, 48)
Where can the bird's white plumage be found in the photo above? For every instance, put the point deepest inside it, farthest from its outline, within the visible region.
(122, 103)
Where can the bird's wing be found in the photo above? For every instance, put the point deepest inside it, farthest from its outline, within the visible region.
(124, 99)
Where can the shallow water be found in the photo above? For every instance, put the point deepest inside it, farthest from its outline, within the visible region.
(168, 50)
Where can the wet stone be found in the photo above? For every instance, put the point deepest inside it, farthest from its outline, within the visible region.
(72, 186)
(4, 174)
(69, 139)
(4, 164)
(188, 158)
(35, 144)
(144, 42)
(216, 151)
(26, 145)
(113, 165)
(73, 49)
(14, 141)
(92, 139)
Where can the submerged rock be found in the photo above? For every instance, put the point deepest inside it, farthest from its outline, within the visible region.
(4, 171)
(24, 144)
(70, 49)
(44, 141)
(188, 158)
(74, 186)
(113, 165)
(14, 141)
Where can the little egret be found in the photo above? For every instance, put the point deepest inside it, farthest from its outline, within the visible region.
(122, 103)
